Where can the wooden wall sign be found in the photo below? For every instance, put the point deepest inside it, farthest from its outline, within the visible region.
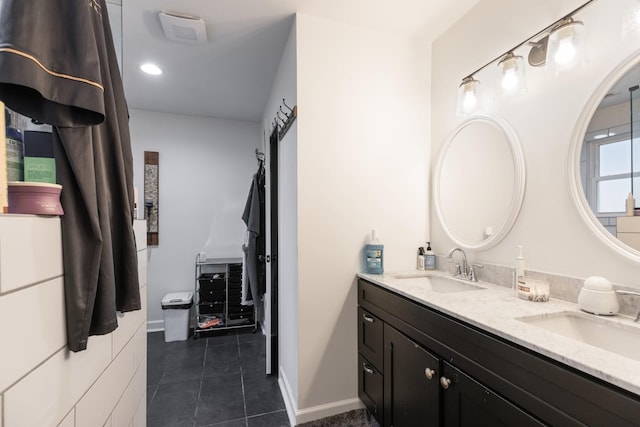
(151, 195)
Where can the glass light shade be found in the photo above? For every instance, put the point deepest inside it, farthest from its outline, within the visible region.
(631, 21)
(468, 97)
(567, 46)
(512, 78)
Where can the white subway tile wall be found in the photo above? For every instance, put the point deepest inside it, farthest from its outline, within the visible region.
(140, 417)
(128, 324)
(104, 385)
(30, 250)
(32, 326)
(142, 267)
(96, 405)
(127, 406)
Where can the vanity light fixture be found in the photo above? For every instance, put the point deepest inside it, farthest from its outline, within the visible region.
(150, 68)
(468, 96)
(567, 46)
(511, 74)
(560, 45)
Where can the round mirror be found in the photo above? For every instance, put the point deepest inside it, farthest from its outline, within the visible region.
(604, 160)
(479, 182)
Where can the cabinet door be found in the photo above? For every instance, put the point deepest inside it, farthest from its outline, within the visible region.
(370, 343)
(467, 403)
(411, 390)
(370, 388)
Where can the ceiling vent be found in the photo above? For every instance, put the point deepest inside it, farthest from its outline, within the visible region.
(183, 28)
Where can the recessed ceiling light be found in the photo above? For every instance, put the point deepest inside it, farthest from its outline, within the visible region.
(150, 68)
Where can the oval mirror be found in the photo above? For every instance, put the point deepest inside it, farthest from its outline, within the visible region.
(479, 182)
(603, 153)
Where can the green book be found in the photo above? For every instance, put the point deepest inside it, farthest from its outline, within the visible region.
(40, 169)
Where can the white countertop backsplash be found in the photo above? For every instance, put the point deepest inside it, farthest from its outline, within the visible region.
(496, 310)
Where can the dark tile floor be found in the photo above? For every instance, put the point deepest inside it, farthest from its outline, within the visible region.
(212, 381)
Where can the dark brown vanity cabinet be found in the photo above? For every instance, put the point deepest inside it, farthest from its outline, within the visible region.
(467, 402)
(411, 390)
(420, 367)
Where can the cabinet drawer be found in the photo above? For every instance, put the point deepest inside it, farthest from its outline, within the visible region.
(370, 388)
(370, 337)
(240, 316)
(242, 309)
(212, 283)
(211, 308)
(211, 295)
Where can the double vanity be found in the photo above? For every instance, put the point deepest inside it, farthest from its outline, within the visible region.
(437, 351)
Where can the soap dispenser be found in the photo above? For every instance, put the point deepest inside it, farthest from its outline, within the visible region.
(429, 258)
(420, 263)
(521, 284)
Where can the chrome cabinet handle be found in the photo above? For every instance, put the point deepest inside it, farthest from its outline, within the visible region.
(368, 318)
(429, 373)
(367, 369)
(445, 382)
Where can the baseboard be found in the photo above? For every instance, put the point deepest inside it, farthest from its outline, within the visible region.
(290, 403)
(155, 326)
(327, 410)
(300, 416)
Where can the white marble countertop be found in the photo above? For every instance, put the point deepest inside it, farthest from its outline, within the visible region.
(496, 309)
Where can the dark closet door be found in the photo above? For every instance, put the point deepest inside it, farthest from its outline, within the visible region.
(273, 192)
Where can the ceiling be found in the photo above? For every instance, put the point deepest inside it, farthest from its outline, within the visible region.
(231, 75)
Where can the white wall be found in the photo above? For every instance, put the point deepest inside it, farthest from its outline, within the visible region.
(284, 86)
(555, 237)
(363, 152)
(41, 382)
(205, 172)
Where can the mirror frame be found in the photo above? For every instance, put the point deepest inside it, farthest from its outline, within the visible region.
(517, 196)
(577, 139)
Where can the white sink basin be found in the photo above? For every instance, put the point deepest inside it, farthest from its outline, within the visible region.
(620, 338)
(437, 283)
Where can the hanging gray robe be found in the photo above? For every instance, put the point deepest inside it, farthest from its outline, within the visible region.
(58, 66)
(253, 217)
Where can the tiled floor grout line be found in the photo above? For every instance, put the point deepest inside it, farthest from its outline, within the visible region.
(244, 399)
(266, 413)
(204, 359)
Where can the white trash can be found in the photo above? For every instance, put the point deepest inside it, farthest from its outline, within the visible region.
(176, 308)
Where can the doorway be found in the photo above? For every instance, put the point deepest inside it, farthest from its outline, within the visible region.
(271, 323)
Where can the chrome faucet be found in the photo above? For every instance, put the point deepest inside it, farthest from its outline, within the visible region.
(634, 294)
(461, 270)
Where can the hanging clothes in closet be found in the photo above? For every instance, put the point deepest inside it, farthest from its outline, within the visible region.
(255, 248)
(58, 66)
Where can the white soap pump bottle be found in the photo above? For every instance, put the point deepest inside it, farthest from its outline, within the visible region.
(519, 265)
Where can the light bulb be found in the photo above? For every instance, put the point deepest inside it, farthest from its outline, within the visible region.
(469, 102)
(468, 97)
(512, 79)
(509, 80)
(567, 46)
(566, 51)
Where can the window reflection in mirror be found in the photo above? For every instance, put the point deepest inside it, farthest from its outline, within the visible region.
(608, 155)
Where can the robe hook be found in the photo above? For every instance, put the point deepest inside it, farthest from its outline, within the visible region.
(285, 104)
